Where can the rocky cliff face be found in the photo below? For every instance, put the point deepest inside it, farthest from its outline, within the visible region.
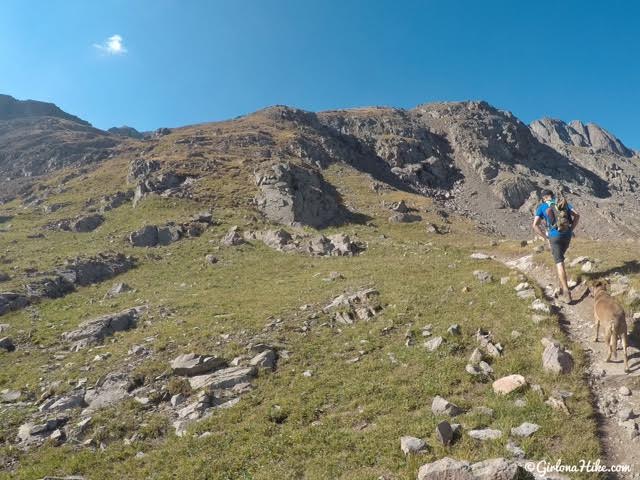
(475, 159)
(559, 135)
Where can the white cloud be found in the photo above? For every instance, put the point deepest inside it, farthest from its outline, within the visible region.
(112, 46)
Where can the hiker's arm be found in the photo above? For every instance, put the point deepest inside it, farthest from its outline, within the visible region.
(536, 228)
(576, 218)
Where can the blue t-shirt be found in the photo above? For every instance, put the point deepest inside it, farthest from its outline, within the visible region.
(541, 211)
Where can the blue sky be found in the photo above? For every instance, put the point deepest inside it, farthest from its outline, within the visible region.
(170, 62)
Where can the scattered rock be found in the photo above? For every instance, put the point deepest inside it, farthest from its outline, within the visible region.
(624, 391)
(509, 384)
(482, 276)
(433, 344)
(539, 306)
(404, 218)
(480, 256)
(233, 238)
(444, 433)
(118, 289)
(112, 389)
(413, 445)
(211, 259)
(587, 267)
(557, 404)
(485, 434)
(361, 305)
(556, 359)
(440, 406)
(30, 434)
(87, 223)
(525, 430)
(191, 364)
(10, 396)
(515, 450)
(496, 469)
(445, 469)
(454, 329)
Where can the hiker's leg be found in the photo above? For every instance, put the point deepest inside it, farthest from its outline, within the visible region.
(562, 278)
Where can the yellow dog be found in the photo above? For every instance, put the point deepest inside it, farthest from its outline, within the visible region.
(609, 312)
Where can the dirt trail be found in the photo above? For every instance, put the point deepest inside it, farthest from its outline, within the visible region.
(619, 438)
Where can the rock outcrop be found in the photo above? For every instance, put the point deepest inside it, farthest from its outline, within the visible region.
(97, 329)
(296, 195)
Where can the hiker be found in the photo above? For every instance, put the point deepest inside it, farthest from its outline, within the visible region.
(561, 220)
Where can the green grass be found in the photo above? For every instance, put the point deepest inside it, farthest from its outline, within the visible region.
(345, 420)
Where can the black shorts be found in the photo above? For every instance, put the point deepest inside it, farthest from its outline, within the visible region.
(559, 246)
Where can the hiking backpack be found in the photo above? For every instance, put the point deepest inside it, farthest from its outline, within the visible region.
(560, 215)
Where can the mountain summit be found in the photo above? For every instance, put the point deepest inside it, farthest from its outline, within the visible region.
(12, 109)
(558, 134)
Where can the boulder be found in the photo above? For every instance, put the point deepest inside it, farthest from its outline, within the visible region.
(4, 277)
(291, 194)
(445, 469)
(496, 469)
(83, 271)
(277, 239)
(444, 433)
(410, 445)
(440, 406)
(223, 379)
(30, 433)
(87, 223)
(10, 396)
(10, 301)
(190, 364)
(168, 234)
(55, 286)
(266, 359)
(509, 384)
(66, 402)
(6, 344)
(95, 330)
(147, 236)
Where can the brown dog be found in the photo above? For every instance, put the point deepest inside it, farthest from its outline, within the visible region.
(609, 312)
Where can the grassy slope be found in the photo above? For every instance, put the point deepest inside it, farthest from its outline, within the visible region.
(324, 434)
